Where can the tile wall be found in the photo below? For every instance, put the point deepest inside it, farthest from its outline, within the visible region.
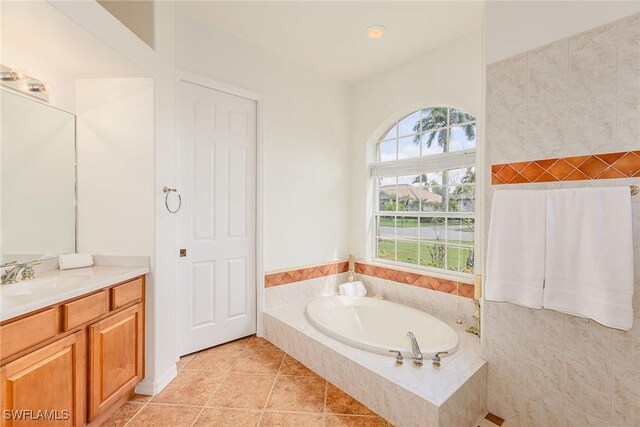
(301, 274)
(578, 96)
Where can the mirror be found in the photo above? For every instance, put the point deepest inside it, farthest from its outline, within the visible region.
(37, 179)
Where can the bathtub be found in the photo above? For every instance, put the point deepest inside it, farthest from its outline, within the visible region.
(379, 326)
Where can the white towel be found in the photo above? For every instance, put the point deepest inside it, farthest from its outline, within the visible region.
(589, 261)
(515, 253)
(70, 261)
(353, 289)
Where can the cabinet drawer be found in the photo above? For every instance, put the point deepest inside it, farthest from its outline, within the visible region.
(79, 312)
(27, 332)
(126, 293)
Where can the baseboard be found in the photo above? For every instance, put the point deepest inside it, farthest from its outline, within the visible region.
(152, 388)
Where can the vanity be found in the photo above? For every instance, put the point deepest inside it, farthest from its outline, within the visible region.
(80, 357)
(72, 342)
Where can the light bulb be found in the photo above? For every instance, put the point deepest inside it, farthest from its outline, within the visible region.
(37, 87)
(11, 76)
(376, 31)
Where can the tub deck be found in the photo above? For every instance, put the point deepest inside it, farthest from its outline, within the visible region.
(405, 395)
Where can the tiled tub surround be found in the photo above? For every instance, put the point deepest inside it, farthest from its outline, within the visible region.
(440, 297)
(283, 295)
(453, 395)
(573, 97)
(425, 281)
(305, 273)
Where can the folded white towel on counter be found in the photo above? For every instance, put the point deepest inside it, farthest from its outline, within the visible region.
(516, 248)
(353, 289)
(70, 261)
(589, 260)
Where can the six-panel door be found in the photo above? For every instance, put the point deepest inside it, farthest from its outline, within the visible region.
(115, 358)
(47, 386)
(217, 277)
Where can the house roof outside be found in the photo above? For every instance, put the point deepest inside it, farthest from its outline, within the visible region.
(412, 192)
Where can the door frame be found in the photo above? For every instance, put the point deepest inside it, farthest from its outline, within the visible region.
(190, 77)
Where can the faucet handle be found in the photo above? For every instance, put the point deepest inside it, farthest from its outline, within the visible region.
(399, 358)
(27, 272)
(436, 359)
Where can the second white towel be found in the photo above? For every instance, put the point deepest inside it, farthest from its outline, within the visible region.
(515, 253)
(589, 260)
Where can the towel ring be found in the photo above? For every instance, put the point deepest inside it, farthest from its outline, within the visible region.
(166, 190)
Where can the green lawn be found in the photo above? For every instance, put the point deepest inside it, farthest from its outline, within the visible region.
(408, 253)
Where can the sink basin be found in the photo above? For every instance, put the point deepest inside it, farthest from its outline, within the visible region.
(41, 286)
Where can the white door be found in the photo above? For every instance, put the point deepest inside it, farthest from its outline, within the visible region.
(217, 222)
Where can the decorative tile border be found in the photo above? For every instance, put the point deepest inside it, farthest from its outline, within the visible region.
(625, 164)
(414, 279)
(284, 277)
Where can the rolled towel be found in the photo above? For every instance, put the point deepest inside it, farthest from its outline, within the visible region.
(353, 289)
(70, 261)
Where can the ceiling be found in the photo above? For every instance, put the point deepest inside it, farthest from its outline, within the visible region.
(329, 36)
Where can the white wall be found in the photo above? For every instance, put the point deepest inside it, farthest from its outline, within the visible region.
(448, 75)
(159, 64)
(115, 166)
(306, 139)
(512, 27)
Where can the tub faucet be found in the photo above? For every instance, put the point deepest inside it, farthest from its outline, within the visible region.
(417, 354)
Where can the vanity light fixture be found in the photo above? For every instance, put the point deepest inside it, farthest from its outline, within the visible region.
(37, 87)
(19, 81)
(375, 31)
(11, 76)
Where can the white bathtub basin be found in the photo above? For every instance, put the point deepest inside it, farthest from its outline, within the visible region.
(379, 326)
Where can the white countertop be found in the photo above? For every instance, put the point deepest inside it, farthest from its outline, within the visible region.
(85, 280)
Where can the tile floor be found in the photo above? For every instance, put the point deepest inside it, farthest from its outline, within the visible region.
(247, 382)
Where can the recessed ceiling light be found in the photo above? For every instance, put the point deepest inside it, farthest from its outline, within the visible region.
(375, 31)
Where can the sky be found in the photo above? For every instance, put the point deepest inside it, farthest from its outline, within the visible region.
(401, 137)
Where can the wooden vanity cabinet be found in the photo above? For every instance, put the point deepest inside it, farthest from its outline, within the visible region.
(115, 358)
(46, 387)
(80, 358)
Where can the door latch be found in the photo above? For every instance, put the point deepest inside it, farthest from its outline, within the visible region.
(183, 252)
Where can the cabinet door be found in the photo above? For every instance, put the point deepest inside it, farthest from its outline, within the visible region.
(116, 355)
(47, 386)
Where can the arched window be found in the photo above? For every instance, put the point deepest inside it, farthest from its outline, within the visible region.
(425, 191)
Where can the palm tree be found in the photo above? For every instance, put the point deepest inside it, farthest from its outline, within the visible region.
(438, 122)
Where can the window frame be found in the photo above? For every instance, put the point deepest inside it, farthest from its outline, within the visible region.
(422, 164)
